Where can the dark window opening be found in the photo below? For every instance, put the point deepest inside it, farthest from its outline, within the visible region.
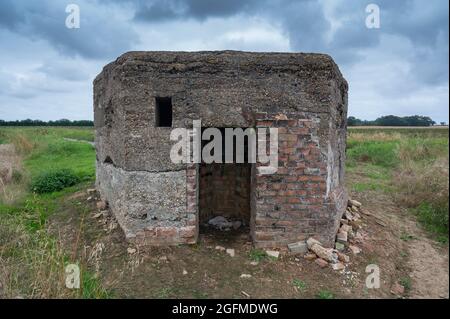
(108, 160)
(163, 112)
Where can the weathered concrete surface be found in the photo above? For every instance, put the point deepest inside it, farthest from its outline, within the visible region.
(224, 89)
(142, 200)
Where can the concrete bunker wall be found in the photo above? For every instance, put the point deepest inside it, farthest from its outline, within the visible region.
(158, 202)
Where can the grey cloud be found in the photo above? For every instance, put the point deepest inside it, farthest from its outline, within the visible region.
(100, 35)
(64, 71)
(197, 9)
(400, 67)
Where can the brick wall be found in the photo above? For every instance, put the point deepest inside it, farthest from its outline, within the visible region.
(290, 205)
(287, 206)
(224, 189)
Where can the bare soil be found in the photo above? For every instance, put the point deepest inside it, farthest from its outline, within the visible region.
(392, 240)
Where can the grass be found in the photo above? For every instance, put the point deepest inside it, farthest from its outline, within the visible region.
(325, 294)
(410, 164)
(92, 287)
(44, 150)
(299, 284)
(435, 219)
(164, 293)
(257, 255)
(406, 282)
(32, 261)
(407, 237)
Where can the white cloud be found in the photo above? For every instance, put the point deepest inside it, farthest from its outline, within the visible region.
(234, 33)
(400, 69)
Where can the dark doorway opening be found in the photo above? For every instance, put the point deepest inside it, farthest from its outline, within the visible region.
(225, 190)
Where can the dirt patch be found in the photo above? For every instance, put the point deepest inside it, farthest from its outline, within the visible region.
(202, 271)
(403, 250)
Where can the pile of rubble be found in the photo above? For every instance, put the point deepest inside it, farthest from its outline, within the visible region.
(223, 224)
(102, 215)
(347, 238)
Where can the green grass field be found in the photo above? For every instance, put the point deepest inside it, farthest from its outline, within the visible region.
(26, 248)
(411, 165)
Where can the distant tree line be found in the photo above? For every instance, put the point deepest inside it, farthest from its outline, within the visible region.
(388, 120)
(62, 122)
(392, 120)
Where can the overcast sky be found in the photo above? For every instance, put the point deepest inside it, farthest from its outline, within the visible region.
(46, 69)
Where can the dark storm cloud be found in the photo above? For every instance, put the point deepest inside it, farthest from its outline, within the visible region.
(425, 25)
(197, 9)
(400, 68)
(100, 35)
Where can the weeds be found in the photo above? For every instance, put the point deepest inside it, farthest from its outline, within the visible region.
(407, 237)
(410, 164)
(53, 181)
(257, 255)
(32, 261)
(325, 294)
(406, 282)
(299, 284)
(164, 293)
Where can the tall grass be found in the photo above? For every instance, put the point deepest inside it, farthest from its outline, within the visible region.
(32, 261)
(418, 163)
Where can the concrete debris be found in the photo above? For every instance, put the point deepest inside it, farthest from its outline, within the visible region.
(346, 228)
(348, 215)
(321, 262)
(343, 257)
(298, 248)
(220, 248)
(273, 253)
(352, 202)
(230, 251)
(222, 223)
(185, 272)
(349, 231)
(356, 224)
(246, 276)
(310, 256)
(342, 236)
(354, 249)
(327, 254)
(338, 266)
(339, 246)
(365, 212)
